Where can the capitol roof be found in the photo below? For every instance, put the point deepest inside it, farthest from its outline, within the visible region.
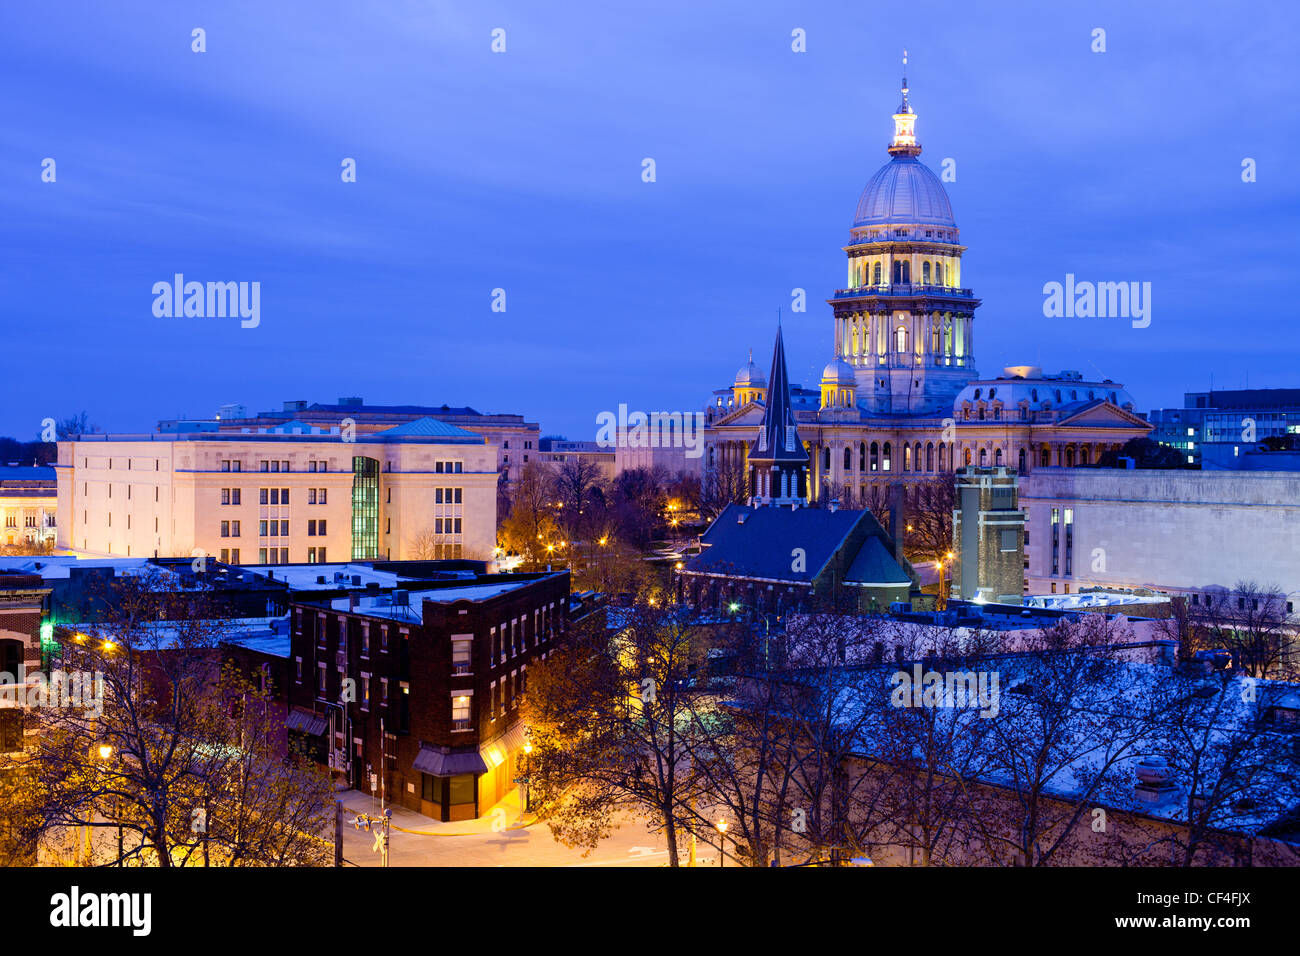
(904, 191)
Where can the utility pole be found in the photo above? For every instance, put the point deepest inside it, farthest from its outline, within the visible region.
(338, 832)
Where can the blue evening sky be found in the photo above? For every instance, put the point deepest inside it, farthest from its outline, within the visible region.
(522, 171)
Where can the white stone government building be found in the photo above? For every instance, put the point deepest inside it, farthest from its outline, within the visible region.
(289, 493)
(901, 399)
(1179, 532)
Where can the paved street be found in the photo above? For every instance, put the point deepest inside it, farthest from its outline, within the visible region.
(498, 838)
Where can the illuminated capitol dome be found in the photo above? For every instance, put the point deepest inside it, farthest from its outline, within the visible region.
(904, 191)
(901, 398)
(903, 322)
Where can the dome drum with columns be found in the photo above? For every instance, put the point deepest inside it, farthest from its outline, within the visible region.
(900, 398)
(904, 322)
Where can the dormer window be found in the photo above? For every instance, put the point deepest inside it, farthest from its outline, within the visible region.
(789, 438)
(762, 440)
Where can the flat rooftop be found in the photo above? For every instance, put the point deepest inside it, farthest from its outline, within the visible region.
(329, 577)
(381, 605)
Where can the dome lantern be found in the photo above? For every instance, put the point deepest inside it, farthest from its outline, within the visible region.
(904, 142)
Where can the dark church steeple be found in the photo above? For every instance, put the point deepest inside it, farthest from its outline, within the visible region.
(777, 458)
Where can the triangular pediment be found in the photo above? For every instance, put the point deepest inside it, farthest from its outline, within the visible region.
(749, 414)
(1103, 414)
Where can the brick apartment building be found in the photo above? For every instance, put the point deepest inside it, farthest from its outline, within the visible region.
(428, 716)
(21, 600)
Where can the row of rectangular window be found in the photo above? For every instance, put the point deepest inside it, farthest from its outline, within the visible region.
(85, 490)
(270, 496)
(510, 693)
(30, 521)
(271, 466)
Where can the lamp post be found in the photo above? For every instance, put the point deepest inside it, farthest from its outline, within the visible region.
(943, 598)
(104, 752)
(734, 606)
(528, 776)
(722, 842)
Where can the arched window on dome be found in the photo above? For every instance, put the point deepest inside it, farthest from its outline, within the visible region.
(900, 336)
(925, 272)
(934, 341)
(929, 456)
(848, 459)
(966, 458)
(1083, 456)
(1069, 458)
(1045, 459)
(886, 456)
(907, 457)
(943, 457)
(875, 457)
(826, 459)
(984, 457)
(877, 282)
(1022, 461)
(862, 456)
(941, 273)
(916, 456)
(907, 271)
(997, 456)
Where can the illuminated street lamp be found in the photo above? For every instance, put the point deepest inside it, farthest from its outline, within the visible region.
(943, 600)
(103, 752)
(722, 842)
(528, 776)
(734, 607)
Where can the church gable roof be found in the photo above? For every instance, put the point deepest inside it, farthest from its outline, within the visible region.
(752, 542)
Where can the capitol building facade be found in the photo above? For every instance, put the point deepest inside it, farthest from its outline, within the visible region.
(901, 398)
